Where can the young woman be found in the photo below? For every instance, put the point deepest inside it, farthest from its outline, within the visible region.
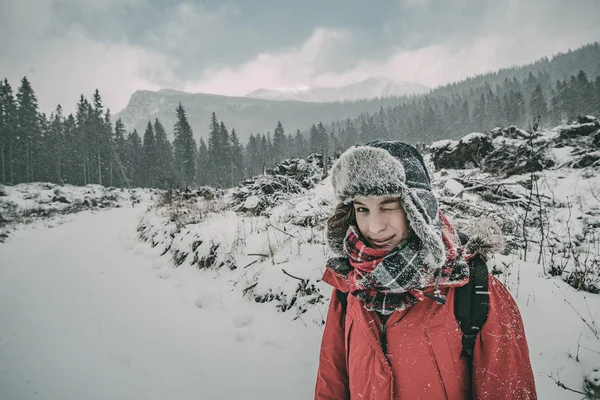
(391, 330)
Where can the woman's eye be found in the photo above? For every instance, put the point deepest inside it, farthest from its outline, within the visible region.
(361, 209)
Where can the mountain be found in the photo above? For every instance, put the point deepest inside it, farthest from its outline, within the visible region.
(247, 115)
(256, 115)
(367, 89)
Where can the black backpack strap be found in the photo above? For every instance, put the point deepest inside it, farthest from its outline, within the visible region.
(343, 298)
(471, 305)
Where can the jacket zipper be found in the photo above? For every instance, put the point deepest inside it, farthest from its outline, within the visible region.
(384, 341)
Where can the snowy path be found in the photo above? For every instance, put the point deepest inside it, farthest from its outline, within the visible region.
(88, 312)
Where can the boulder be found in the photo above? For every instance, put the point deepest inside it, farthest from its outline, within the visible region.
(583, 126)
(60, 198)
(466, 153)
(453, 187)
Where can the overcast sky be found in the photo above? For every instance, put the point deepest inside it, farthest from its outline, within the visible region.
(70, 47)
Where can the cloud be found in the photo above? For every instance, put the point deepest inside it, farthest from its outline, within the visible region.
(519, 34)
(66, 67)
(63, 61)
(70, 47)
(295, 67)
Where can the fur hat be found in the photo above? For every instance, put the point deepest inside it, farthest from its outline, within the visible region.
(391, 168)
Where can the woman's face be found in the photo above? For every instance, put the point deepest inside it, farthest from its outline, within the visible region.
(382, 221)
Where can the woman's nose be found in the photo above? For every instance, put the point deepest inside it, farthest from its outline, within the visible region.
(377, 224)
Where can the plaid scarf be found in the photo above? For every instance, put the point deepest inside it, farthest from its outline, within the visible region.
(389, 280)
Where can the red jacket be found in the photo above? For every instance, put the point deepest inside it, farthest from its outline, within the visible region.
(423, 352)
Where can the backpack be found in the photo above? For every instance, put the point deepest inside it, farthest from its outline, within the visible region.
(470, 303)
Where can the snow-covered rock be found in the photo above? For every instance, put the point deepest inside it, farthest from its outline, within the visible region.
(468, 152)
(453, 187)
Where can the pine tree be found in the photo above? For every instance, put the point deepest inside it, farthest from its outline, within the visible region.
(350, 136)
(29, 133)
(71, 164)
(165, 174)
(585, 94)
(313, 140)
(108, 153)
(149, 158)
(8, 133)
(185, 149)
(82, 141)
(538, 106)
(56, 144)
(252, 159)
(135, 158)
(263, 153)
(279, 143)
(480, 115)
(203, 161)
(123, 172)
(98, 142)
(237, 159)
(300, 147)
(214, 149)
(224, 157)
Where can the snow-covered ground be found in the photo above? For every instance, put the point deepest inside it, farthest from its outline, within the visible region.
(26, 202)
(89, 312)
(191, 299)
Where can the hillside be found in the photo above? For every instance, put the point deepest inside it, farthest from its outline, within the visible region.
(247, 115)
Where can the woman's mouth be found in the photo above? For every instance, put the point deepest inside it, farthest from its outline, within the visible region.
(383, 242)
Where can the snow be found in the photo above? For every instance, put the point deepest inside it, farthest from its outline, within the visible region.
(85, 315)
(88, 311)
(472, 136)
(36, 199)
(562, 155)
(251, 203)
(193, 300)
(442, 144)
(454, 187)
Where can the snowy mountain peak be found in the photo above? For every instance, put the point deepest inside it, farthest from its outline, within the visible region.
(377, 86)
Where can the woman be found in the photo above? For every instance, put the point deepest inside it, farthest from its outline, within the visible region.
(395, 334)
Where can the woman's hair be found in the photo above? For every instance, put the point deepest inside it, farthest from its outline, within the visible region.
(343, 216)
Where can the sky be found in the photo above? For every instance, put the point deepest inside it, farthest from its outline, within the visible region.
(67, 48)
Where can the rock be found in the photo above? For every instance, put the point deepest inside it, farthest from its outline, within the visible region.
(584, 126)
(453, 187)
(586, 119)
(90, 202)
(587, 160)
(60, 198)
(467, 153)
(251, 203)
(595, 140)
